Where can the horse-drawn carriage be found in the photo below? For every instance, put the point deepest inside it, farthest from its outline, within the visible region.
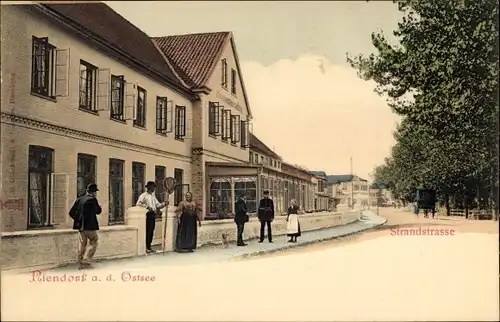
(426, 200)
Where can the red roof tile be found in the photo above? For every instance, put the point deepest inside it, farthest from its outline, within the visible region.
(193, 55)
(100, 20)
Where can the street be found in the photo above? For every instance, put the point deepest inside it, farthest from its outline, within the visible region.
(372, 276)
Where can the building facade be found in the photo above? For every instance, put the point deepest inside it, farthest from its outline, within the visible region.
(208, 63)
(85, 100)
(349, 190)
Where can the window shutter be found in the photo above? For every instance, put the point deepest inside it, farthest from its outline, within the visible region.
(62, 72)
(60, 198)
(130, 101)
(103, 89)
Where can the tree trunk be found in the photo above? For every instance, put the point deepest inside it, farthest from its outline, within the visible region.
(447, 205)
(466, 205)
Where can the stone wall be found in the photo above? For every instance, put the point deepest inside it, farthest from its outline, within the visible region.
(49, 248)
(211, 231)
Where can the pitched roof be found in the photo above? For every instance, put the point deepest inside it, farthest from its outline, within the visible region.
(194, 55)
(333, 179)
(99, 21)
(257, 144)
(319, 173)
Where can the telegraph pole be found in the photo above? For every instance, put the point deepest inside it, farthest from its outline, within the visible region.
(352, 185)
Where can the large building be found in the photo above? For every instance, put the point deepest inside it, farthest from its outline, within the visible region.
(86, 97)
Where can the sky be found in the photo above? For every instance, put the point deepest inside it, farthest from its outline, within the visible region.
(308, 103)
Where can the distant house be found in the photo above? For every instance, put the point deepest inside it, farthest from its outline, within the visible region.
(348, 189)
(323, 200)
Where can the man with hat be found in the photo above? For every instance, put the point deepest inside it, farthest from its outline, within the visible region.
(266, 216)
(84, 214)
(149, 201)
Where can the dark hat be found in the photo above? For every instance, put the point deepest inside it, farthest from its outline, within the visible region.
(266, 192)
(92, 187)
(151, 184)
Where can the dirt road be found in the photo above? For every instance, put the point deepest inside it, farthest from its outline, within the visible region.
(398, 218)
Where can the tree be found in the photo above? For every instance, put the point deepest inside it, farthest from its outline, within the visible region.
(443, 80)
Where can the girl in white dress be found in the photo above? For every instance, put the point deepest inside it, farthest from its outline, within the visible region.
(293, 225)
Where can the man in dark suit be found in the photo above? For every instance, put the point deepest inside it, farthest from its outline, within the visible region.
(266, 216)
(240, 218)
(84, 214)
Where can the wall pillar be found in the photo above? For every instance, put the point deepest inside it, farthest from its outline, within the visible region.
(136, 217)
(169, 218)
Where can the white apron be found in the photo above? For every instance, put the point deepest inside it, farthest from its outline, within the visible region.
(292, 226)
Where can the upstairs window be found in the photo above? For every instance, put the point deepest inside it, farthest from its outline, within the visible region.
(180, 122)
(235, 129)
(49, 69)
(226, 124)
(214, 118)
(233, 81)
(245, 136)
(224, 73)
(117, 97)
(140, 120)
(88, 86)
(163, 116)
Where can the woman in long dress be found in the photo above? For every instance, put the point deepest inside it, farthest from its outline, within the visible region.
(188, 214)
(292, 219)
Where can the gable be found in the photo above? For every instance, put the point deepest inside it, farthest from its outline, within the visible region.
(229, 53)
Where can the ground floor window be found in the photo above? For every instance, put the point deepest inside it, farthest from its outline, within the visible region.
(40, 169)
(116, 213)
(220, 199)
(138, 178)
(248, 187)
(86, 172)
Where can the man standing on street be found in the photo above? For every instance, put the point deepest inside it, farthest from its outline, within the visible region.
(84, 214)
(240, 218)
(266, 216)
(148, 200)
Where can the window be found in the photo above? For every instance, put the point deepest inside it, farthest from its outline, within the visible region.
(40, 170)
(256, 159)
(138, 177)
(116, 214)
(250, 158)
(261, 159)
(43, 63)
(214, 118)
(178, 191)
(163, 116)
(88, 86)
(221, 201)
(224, 73)
(249, 188)
(117, 97)
(140, 121)
(180, 122)
(226, 124)
(160, 175)
(86, 172)
(233, 82)
(245, 137)
(235, 129)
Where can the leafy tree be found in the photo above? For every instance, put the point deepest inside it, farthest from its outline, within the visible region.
(442, 79)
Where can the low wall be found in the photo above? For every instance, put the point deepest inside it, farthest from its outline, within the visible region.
(49, 248)
(37, 249)
(211, 231)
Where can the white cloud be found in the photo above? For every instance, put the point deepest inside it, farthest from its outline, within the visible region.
(318, 114)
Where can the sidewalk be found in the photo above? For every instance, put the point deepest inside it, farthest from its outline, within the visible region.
(216, 253)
